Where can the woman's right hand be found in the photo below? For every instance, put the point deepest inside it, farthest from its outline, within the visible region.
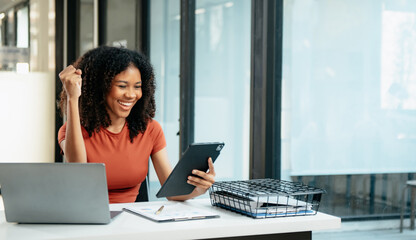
(73, 145)
(71, 81)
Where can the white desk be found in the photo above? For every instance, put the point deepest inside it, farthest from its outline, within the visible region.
(129, 226)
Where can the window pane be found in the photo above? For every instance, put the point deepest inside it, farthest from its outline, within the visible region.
(222, 99)
(10, 26)
(121, 23)
(23, 28)
(164, 55)
(349, 88)
(86, 28)
(222, 82)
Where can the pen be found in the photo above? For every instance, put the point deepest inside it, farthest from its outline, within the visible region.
(159, 210)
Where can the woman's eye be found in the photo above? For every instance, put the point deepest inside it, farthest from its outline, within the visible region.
(138, 87)
(121, 86)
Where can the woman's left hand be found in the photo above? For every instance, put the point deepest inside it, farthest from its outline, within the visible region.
(204, 180)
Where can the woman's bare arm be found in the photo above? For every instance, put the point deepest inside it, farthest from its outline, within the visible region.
(73, 145)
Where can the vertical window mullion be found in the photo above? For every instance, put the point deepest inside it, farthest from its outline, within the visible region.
(143, 26)
(266, 78)
(187, 74)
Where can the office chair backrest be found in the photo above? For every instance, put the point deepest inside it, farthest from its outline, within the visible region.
(143, 192)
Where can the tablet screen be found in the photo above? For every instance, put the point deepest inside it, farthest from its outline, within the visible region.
(195, 157)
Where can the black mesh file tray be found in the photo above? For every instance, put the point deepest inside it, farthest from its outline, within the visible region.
(266, 198)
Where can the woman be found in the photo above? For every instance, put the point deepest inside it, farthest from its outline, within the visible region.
(108, 99)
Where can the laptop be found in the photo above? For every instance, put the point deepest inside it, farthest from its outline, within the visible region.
(74, 193)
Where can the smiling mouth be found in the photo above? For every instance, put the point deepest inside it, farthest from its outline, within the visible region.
(125, 104)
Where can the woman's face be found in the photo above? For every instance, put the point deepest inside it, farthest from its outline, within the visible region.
(124, 93)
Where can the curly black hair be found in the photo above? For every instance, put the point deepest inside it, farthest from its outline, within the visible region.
(99, 67)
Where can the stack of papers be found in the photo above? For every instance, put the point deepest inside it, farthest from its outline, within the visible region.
(261, 206)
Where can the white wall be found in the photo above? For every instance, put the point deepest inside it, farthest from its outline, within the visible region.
(27, 101)
(27, 122)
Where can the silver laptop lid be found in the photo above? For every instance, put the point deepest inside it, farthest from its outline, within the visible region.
(55, 192)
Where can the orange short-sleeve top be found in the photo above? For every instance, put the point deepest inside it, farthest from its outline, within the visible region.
(126, 162)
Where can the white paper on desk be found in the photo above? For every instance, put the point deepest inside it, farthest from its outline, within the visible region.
(276, 199)
(286, 205)
(174, 211)
(256, 201)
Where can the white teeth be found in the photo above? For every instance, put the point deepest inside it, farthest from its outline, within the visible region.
(127, 104)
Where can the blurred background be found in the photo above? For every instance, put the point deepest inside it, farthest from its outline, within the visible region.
(341, 115)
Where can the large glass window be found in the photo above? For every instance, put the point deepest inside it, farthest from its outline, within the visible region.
(349, 87)
(121, 24)
(222, 76)
(222, 82)
(164, 55)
